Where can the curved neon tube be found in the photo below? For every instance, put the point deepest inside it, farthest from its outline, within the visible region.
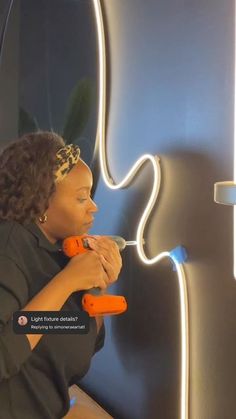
(154, 160)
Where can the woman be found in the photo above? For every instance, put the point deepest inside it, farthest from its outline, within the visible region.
(45, 197)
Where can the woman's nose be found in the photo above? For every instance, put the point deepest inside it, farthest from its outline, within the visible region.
(94, 207)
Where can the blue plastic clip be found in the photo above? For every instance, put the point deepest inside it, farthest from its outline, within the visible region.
(179, 254)
(72, 401)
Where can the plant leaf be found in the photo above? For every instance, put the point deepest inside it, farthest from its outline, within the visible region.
(78, 110)
(26, 122)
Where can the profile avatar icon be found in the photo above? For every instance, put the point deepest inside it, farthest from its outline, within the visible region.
(22, 320)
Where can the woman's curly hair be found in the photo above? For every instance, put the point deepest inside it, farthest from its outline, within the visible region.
(27, 168)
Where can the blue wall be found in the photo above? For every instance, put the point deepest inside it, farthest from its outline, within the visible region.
(171, 86)
(171, 71)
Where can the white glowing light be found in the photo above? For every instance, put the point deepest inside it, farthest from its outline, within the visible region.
(154, 160)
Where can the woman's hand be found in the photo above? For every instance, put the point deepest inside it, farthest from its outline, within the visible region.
(85, 271)
(109, 254)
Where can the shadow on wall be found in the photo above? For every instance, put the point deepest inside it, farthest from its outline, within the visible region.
(141, 359)
(147, 337)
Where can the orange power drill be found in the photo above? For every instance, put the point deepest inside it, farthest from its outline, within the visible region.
(97, 305)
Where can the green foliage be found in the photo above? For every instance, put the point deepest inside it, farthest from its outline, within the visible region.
(77, 113)
(26, 122)
(78, 110)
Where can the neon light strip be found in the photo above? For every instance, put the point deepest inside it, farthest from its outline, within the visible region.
(154, 160)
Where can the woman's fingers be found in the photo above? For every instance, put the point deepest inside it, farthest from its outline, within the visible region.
(109, 254)
(108, 248)
(109, 269)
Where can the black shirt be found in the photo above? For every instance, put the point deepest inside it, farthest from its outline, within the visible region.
(34, 384)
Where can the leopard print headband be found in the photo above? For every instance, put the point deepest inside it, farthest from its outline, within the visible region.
(67, 157)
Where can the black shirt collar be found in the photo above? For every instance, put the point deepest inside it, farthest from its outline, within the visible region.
(42, 239)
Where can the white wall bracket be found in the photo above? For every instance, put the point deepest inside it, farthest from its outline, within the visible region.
(225, 193)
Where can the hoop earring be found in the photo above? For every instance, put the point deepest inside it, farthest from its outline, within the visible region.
(43, 218)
